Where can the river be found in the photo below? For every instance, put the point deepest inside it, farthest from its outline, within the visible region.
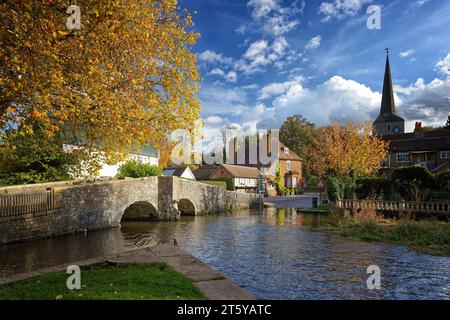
(274, 255)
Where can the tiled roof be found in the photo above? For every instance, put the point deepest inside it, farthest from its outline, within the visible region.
(288, 156)
(438, 140)
(204, 172)
(241, 171)
(174, 172)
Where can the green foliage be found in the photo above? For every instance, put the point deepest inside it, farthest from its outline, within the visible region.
(135, 169)
(372, 187)
(33, 158)
(439, 195)
(299, 135)
(412, 182)
(278, 181)
(427, 236)
(156, 281)
(442, 181)
(339, 188)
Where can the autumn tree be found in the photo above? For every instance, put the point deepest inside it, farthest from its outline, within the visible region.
(349, 150)
(125, 78)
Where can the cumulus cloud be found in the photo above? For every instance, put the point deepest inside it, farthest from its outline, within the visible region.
(261, 53)
(429, 103)
(277, 89)
(340, 9)
(443, 66)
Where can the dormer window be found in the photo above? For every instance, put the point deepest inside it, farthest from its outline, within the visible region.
(286, 150)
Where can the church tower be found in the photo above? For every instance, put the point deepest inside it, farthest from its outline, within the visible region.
(388, 122)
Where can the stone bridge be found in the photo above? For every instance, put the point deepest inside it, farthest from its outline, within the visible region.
(45, 210)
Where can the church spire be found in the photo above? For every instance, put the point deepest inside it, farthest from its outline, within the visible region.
(387, 102)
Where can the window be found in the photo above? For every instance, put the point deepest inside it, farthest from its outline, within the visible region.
(445, 155)
(403, 157)
(288, 165)
(295, 182)
(286, 150)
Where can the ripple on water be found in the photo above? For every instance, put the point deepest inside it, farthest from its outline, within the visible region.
(273, 255)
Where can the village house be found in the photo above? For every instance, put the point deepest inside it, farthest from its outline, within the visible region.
(430, 149)
(181, 172)
(287, 162)
(245, 179)
(147, 155)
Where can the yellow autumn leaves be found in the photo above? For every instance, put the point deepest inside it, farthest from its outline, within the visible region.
(348, 150)
(127, 77)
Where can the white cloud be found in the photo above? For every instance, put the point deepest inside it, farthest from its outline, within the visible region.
(257, 48)
(429, 103)
(341, 8)
(260, 54)
(443, 66)
(214, 58)
(313, 43)
(407, 53)
(277, 89)
(230, 76)
(213, 121)
(420, 3)
(217, 72)
(273, 18)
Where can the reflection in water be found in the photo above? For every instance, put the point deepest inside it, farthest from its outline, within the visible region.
(274, 255)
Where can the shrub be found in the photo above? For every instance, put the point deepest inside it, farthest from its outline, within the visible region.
(340, 188)
(412, 182)
(372, 187)
(135, 169)
(442, 181)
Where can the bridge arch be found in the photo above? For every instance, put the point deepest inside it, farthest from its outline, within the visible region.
(140, 211)
(186, 207)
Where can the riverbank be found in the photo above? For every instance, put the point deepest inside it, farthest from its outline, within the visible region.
(181, 276)
(154, 281)
(430, 237)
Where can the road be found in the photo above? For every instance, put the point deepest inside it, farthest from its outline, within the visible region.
(303, 201)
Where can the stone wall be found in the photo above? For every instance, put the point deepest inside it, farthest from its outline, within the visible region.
(92, 206)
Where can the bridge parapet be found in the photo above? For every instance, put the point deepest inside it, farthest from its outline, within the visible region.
(90, 206)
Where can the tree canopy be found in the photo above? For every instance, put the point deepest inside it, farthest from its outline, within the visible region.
(125, 78)
(298, 134)
(348, 150)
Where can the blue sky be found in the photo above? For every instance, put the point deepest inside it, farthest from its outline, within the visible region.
(264, 60)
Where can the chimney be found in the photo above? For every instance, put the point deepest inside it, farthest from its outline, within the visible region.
(269, 143)
(418, 129)
(235, 150)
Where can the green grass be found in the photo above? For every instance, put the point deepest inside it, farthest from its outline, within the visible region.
(156, 281)
(431, 237)
(323, 207)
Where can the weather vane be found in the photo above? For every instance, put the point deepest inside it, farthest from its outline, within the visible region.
(387, 50)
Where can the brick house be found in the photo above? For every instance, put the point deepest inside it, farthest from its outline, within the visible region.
(430, 149)
(288, 162)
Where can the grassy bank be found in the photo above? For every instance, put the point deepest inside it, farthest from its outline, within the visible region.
(155, 281)
(432, 237)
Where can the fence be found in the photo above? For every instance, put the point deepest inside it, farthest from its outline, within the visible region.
(432, 207)
(26, 203)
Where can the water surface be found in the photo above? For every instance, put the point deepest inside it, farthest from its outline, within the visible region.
(275, 255)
